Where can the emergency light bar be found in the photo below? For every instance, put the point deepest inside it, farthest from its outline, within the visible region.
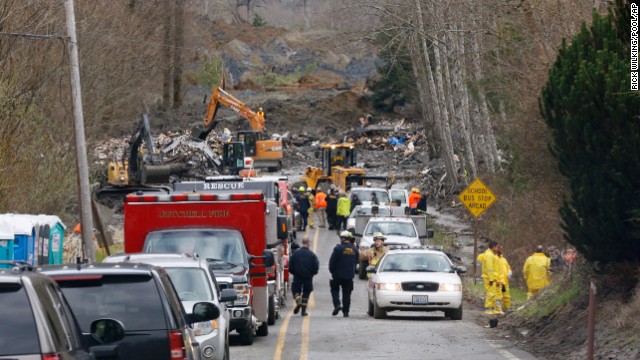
(421, 247)
(192, 197)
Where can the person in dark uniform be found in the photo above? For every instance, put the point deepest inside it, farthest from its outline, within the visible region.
(303, 206)
(332, 207)
(421, 208)
(303, 265)
(342, 265)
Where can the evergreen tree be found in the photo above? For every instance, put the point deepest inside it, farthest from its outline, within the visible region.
(594, 120)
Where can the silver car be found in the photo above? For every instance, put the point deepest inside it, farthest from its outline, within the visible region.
(194, 282)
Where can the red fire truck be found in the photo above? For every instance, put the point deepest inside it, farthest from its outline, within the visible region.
(227, 229)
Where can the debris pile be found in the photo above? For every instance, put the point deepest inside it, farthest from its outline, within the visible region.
(203, 157)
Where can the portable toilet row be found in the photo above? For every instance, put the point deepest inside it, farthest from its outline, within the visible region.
(37, 239)
(6, 241)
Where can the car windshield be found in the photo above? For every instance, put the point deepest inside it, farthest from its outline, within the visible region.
(191, 284)
(225, 245)
(134, 300)
(391, 228)
(18, 334)
(365, 195)
(382, 211)
(415, 262)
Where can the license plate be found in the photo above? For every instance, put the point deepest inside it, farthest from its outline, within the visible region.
(420, 300)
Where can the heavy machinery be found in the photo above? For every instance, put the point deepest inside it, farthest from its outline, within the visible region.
(265, 152)
(339, 168)
(137, 170)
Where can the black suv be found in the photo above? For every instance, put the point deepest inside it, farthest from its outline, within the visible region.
(142, 298)
(36, 322)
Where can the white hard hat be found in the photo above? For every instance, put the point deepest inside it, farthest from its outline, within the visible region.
(378, 235)
(346, 234)
(308, 189)
(368, 184)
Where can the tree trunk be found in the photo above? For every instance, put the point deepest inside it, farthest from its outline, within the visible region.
(178, 42)
(446, 150)
(456, 42)
(485, 118)
(166, 54)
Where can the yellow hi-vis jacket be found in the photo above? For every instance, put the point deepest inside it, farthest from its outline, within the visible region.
(490, 265)
(505, 270)
(536, 271)
(344, 207)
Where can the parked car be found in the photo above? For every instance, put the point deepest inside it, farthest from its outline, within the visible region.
(365, 210)
(139, 296)
(415, 280)
(194, 281)
(364, 195)
(37, 323)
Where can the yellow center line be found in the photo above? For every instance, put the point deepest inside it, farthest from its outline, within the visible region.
(306, 323)
(277, 355)
(282, 336)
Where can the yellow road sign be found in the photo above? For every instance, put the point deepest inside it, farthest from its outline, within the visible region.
(477, 197)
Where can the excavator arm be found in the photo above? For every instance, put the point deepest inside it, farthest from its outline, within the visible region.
(220, 96)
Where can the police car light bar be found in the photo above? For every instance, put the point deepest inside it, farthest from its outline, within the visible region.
(421, 247)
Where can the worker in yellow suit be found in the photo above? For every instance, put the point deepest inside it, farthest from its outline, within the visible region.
(505, 275)
(536, 272)
(491, 280)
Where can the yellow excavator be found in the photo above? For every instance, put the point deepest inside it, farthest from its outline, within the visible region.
(265, 152)
(137, 169)
(339, 168)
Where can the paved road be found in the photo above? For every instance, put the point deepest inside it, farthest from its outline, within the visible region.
(405, 335)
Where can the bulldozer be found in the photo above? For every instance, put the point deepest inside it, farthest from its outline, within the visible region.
(339, 168)
(265, 152)
(137, 170)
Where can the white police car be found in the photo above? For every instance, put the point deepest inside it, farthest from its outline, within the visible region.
(415, 279)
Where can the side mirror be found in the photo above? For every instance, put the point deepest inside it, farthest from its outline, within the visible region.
(107, 331)
(269, 259)
(283, 231)
(371, 269)
(228, 295)
(203, 311)
(267, 255)
(428, 235)
(356, 235)
(462, 269)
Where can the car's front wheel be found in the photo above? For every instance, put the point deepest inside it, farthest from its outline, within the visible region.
(454, 314)
(378, 312)
(370, 309)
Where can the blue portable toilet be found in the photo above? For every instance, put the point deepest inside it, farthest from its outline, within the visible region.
(23, 246)
(6, 240)
(55, 240)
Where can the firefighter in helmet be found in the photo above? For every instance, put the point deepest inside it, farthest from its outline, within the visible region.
(374, 254)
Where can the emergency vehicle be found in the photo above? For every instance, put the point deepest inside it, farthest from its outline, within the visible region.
(229, 229)
(280, 230)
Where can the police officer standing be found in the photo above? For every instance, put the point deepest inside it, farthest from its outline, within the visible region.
(303, 265)
(342, 265)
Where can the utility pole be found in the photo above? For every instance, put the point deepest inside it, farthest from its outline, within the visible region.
(86, 220)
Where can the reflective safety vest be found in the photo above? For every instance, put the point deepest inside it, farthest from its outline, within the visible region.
(414, 198)
(321, 201)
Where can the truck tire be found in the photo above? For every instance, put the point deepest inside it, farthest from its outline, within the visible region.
(362, 270)
(246, 336)
(263, 329)
(271, 320)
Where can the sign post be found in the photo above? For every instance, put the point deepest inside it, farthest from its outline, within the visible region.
(476, 198)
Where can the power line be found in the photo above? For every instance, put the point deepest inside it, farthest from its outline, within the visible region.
(35, 36)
